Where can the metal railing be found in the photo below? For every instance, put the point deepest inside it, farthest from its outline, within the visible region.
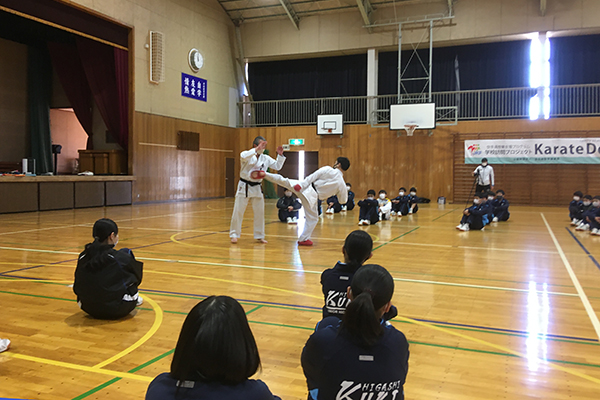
(566, 101)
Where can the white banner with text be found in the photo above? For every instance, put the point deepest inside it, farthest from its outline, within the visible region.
(534, 151)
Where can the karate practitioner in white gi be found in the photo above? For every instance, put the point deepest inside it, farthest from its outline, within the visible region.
(250, 188)
(323, 183)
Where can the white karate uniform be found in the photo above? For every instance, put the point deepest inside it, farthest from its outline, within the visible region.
(251, 161)
(385, 209)
(322, 184)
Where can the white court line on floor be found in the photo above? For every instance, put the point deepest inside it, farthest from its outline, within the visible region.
(580, 292)
(421, 281)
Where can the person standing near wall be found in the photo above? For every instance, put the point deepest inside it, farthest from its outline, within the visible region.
(250, 189)
(484, 174)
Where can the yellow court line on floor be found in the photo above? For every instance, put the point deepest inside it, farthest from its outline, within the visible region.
(7, 279)
(78, 367)
(158, 318)
(502, 348)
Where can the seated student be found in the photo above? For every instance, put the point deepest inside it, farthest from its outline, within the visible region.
(333, 205)
(575, 208)
(385, 206)
(473, 216)
(362, 356)
(215, 356)
(400, 203)
(500, 206)
(589, 213)
(107, 280)
(288, 206)
(412, 201)
(350, 204)
(368, 209)
(486, 208)
(357, 249)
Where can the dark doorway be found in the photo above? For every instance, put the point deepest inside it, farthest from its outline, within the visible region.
(290, 168)
(229, 177)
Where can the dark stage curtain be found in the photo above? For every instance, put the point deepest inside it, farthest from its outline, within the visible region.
(66, 62)
(480, 66)
(575, 60)
(99, 64)
(122, 76)
(39, 88)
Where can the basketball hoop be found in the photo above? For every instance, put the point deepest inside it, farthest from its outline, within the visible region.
(410, 129)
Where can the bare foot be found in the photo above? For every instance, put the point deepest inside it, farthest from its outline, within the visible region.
(262, 241)
(233, 240)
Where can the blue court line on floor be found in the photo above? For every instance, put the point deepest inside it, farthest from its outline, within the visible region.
(583, 247)
(35, 266)
(319, 309)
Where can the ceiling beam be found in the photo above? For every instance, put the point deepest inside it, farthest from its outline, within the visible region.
(287, 6)
(365, 8)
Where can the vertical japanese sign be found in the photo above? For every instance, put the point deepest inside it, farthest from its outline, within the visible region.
(193, 87)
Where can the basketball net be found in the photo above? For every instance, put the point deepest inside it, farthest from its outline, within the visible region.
(410, 129)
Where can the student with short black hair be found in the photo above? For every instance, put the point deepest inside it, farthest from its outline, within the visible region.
(400, 203)
(333, 205)
(473, 216)
(288, 207)
(215, 356)
(385, 206)
(349, 205)
(575, 211)
(413, 207)
(362, 356)
(588, 214)
(500, 205)
(107, 280)
(368, 209)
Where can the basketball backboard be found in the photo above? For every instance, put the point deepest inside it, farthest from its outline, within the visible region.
(421, 114)
(332, 124)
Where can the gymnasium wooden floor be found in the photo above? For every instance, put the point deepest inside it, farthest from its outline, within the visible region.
(507, 313)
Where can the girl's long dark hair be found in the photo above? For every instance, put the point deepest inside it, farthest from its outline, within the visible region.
(372, 287)
(103, 228)
(216, 344)
(358, 247)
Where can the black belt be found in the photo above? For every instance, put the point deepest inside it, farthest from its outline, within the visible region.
(249, 183)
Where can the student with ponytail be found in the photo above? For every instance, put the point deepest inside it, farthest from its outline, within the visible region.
(107, 280)
(361, 356)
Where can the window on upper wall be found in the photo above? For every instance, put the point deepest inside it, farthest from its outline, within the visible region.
(539, 76)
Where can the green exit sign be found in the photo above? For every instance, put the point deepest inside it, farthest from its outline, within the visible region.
(296, 142)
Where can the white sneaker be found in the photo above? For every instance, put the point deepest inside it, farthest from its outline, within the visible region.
(366, 222)
(459, 226)
(464, 227)
(577, 222)
(4, 345)
(594, 231)
(295, 220)
(582, 227)
(344, 208)
(482, 228)
(574, 221)
(289, 220)
(393, 213)
(399, 214)
(410, 211)
(495, 219)
(361, 222)
(329, 211)
(140, 301)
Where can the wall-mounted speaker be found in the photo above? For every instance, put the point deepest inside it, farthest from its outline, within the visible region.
(157, 57)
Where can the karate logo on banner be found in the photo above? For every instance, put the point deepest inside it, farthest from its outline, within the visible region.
(534, 151)
(193, 87)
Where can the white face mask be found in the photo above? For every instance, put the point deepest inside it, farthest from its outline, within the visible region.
(596, 204)
(370, 198)
(576, 198)
(413, 193)
(401, 193)
(484, 164)
(587, 202)
(288, 194)
(348, 187)
(382, 196)
(490, 198)
(476, 201)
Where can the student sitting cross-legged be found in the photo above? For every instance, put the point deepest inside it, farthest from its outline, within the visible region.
(500, 205)
(349, 205)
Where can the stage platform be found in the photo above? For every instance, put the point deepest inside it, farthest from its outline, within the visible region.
(41, 193)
